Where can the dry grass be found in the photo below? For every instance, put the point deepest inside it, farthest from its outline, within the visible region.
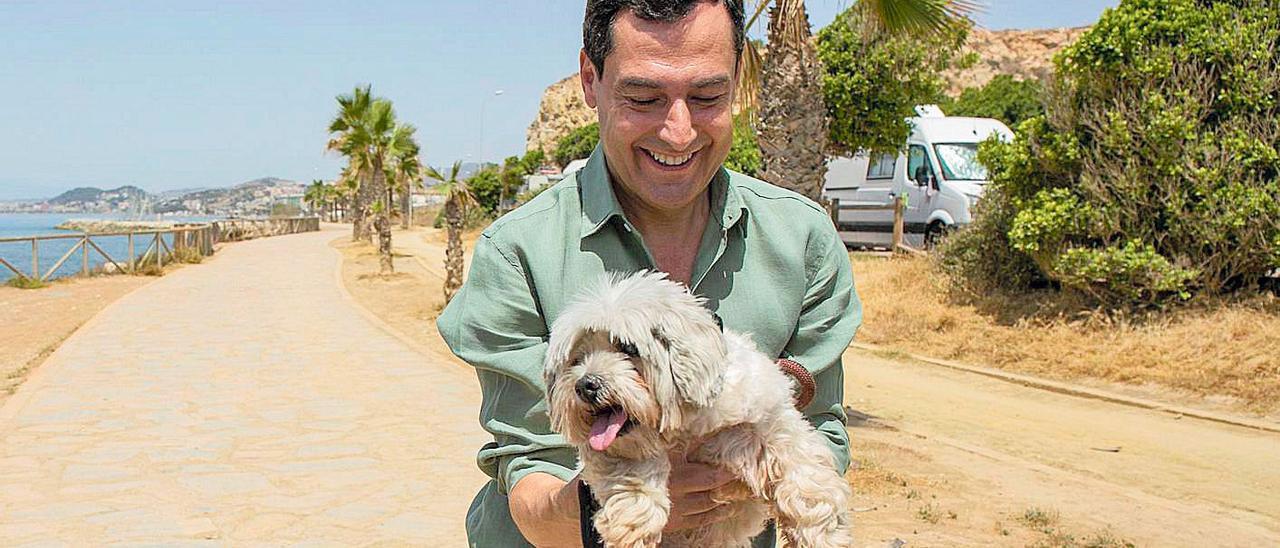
(1221, 349)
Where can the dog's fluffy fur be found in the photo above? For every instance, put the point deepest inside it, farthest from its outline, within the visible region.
(643, 346)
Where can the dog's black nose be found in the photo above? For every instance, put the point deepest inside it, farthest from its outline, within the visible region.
(588, 388)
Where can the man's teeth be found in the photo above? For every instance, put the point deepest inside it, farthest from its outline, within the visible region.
(670, 160)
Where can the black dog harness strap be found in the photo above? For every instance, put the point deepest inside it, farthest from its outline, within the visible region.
(587, 508)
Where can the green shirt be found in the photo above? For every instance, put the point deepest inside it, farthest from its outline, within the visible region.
(770, 264)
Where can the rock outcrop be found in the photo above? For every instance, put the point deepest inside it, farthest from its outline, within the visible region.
(1022, 53)
(561, 112)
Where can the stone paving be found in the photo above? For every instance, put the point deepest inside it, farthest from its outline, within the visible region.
(242, 401)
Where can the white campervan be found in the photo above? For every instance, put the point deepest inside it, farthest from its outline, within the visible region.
(938, 172)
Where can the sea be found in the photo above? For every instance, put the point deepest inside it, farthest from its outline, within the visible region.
(18, 254)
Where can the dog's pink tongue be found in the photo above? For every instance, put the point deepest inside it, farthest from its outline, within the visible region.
(605, 429)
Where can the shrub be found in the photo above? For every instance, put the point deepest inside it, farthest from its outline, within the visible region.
(188, 255)
(1153, 174)
(25, 283)
(873, 80)
(577, 144)
(486, 186)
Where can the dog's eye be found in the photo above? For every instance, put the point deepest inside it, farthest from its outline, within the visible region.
(628, 348)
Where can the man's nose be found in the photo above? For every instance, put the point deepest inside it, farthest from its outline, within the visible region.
(677, 129)
(589, 388)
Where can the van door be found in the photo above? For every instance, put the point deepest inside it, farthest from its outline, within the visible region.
(920, 198)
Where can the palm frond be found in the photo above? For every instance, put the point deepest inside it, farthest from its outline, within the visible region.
(917, 16)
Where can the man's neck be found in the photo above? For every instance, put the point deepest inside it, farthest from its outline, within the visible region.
(667, 225)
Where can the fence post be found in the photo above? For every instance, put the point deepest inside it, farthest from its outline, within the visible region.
(897, 223)
(84, 256)
(159, 251)
(133, 267)
(35, 259)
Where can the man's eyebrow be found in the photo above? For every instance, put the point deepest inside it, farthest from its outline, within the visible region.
(711, 82)
(636, 82)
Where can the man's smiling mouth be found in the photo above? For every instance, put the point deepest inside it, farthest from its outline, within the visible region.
(670, 160)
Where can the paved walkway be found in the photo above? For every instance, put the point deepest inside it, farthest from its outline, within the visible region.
(246, 400)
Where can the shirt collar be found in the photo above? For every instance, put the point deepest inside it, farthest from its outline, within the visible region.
(600, 204)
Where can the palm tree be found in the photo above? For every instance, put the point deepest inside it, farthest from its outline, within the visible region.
(783, 93)
(388, 140)
(316, 195)
(406, 175)
(457, 199)
(348, 138)
(343, 193)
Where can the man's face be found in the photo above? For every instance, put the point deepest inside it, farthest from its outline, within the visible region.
(665, 104)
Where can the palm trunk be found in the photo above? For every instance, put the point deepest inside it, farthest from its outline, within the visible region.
(453, 263)
(356, 214)
(793, 122)
(382, 219)
(406, 205)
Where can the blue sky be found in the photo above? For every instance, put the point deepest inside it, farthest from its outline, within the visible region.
(178, 94)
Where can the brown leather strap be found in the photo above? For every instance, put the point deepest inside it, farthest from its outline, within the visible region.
(805, 387)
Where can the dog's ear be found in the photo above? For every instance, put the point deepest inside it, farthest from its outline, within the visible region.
(560, 349)
(695, 357)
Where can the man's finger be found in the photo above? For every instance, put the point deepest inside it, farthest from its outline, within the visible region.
(694, 503)
(699, 477)
(689, 521)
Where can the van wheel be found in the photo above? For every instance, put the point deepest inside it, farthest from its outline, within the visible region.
(934, 233)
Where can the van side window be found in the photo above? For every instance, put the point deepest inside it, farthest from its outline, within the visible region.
(881, 166)
(916, 157)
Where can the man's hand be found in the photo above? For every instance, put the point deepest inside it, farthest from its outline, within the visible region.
(693, 488)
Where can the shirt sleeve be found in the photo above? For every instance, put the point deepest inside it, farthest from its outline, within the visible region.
(494, 324)
(829, 317)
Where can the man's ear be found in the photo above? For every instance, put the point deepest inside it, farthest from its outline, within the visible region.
(590, 79)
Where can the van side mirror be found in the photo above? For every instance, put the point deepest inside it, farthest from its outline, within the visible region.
(921, 176)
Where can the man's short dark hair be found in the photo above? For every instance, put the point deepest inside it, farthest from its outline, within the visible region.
(597, 25)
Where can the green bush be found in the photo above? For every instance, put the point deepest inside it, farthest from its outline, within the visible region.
(577, 144)
(1154, 173)
(25, 283)
(1003, 98)
(873, 80)
(486, 186)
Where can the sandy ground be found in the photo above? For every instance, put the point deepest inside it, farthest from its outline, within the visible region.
(33, 322)
(245, 402)
(951, 459)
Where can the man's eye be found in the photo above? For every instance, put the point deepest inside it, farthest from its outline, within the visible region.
(641, 102)
(709, 100)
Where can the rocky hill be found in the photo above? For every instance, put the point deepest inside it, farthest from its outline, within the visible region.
(115, 198)
(251, 198)
(1022, 53)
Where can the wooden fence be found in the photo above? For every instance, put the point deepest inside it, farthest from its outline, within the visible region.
(898, 206)
(163, 246)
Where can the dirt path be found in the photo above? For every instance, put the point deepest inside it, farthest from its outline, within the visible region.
(1148, 477)
(244, 401)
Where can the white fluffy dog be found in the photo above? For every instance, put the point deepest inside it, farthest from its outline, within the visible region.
(638, 367)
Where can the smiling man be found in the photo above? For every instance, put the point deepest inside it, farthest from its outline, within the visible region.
(654, 195)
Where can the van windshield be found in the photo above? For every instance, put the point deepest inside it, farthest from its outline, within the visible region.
(960, 161)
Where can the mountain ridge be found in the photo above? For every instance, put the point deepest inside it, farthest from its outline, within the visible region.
(253, 197)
